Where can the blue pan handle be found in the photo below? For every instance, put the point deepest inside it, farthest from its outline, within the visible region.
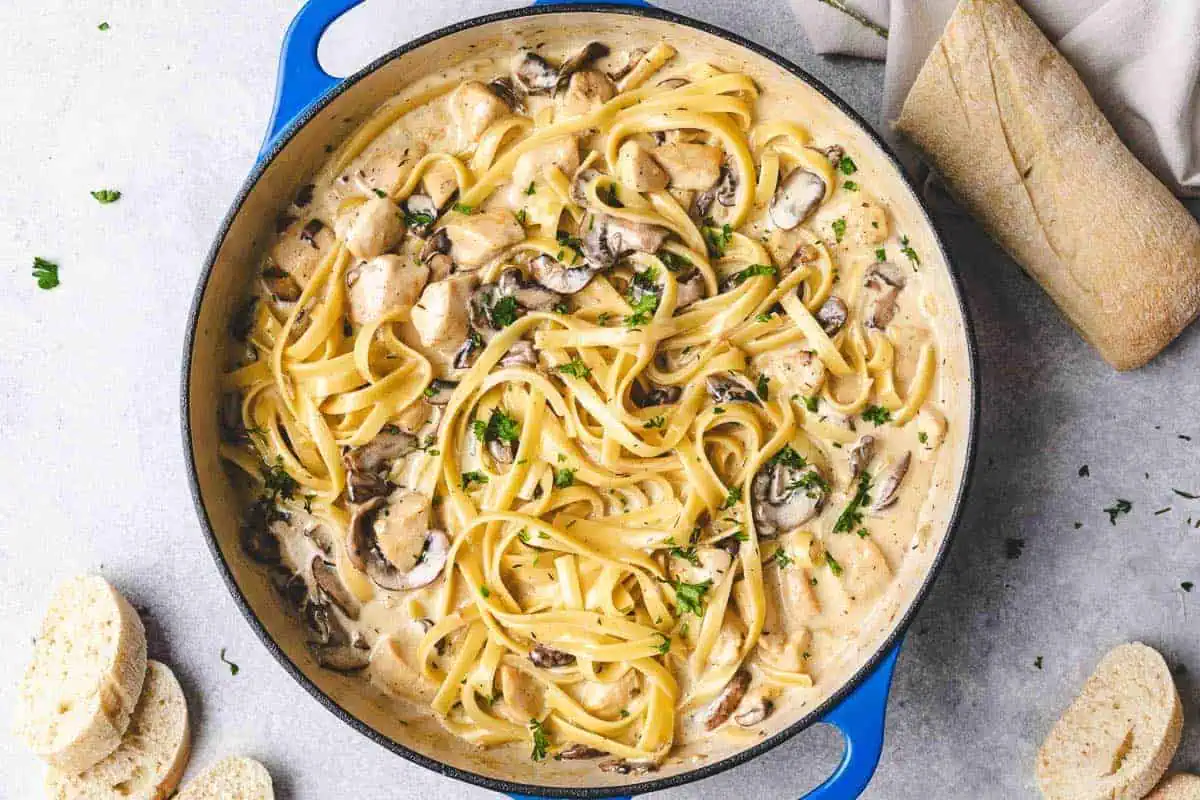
(860, 718)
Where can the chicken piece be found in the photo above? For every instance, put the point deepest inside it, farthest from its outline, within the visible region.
(728, 645)
(586, 91)
(799, 603)
(301, 247)
(711, 564)
(400, 533)
(522, 695)
(440, 315)
(609, 699)
(785, 651)
(391, 670)
(689, 165)
(866, 224)
(865, 571)
(371, 228)
(793, 370)
(387, 169)
(383, 285)
(440, 182)
(561, 152)
(638, 170)
(473, 107)
(476, 239)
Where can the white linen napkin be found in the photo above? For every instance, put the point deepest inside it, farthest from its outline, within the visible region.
(1139, 58)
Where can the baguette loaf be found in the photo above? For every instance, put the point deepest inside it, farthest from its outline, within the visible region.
(1021, 144)
(150, 760)
(75, 700)
(1180, 786)
(233, 778)
(1115, 740)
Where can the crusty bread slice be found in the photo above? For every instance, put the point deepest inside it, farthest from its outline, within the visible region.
(1116, 739)
(150, 760)
(233, 778)
(1180, 786)
(89, 661)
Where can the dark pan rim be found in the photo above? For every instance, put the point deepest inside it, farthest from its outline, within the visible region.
(509, 787)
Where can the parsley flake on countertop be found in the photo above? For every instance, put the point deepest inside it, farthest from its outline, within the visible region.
(106, 196)
(46, 273)
(103, 26)
(1187, 586)
(1117, 509)
(1037, 662)
(1084, 471)
(233, 668)
(1187, 495)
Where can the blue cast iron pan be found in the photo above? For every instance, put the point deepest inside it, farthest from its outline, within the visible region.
(857, 709)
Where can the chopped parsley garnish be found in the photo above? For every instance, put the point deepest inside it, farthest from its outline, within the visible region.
(484, 591)
(417, 219)
(832, 563)
(531, 189)
(429, 391)
(522, 216)
(764, 317)
(1084, 471)
(103, 26)
(504, 311)
(762, 387)
(689, 597)
(655, 422)
(741, 535)
(106, 196)
(500, 426)
(789, 458)
(880, 254)
(1037, 662)
(1117, 509)
(563, 477)
(812, 403)
(570, 242)
(541, 742)
(561, 308)
(782, 559)
(738, 278)
(603, 318)
(380, 192)
(839, 228)
(811, 483)
(877, 415)
(923, 437)
(1186, 495)
(523, 535)
(717, 239)
(850, 186)
(673, 261)
(475, 476)
(277, 481)
(909, 252)
(851, 516)
(733, 498)
(575, 368)
(687, 554)
(463, 208)
(847, 166)
(46, 273)
(234, 669)
(664, 648)
(645, 302)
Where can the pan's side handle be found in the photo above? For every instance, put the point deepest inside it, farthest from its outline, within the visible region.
(300, 79)
(860, 718)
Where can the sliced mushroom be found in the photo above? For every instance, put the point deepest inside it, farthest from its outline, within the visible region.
(728, 387)
(280, 284)
(689, 290)
(531, 295)
(547, 657)
(755, 714)
(579, 60)
(729, 699)
(259, 543)
(786, 496)
(724, 191)
(439, 392)
(532, 73)
(623, 766)
(503, 452)
(292, 589)
(504, 89)
(374, 544)
(889, 488)
(578, 752)
(472, 346)
(558, 277)
(673, 83)
(521, 354)
(796, 198)
(654, 396)
(606, 239)
(631, 60)
(378, 454)
(832, 315)
(421, 212)
(341, 656)
(884, 281)
(586, 90)
(437, 244)
(861, 454)
(326, 578)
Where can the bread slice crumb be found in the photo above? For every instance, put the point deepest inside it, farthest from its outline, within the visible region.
(1180, 786)
(232, 778)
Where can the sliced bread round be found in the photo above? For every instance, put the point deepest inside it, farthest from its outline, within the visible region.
(89, 661)
(1116, 739)
(233, 778)
(1180, 786)
(150, 760)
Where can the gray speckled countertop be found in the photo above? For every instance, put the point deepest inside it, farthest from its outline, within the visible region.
(169, 106)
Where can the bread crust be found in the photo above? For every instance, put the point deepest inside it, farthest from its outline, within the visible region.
(70, 725)
(1180, 786)
(1115, 741)
(1007, 122)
